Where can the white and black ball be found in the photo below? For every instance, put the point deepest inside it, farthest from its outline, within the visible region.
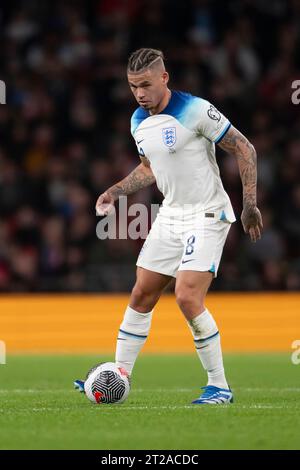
(106, 383)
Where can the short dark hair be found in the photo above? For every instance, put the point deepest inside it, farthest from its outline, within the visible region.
(143, 58)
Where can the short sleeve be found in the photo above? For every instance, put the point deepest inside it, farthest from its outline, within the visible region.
(211, 123)
(137, 118)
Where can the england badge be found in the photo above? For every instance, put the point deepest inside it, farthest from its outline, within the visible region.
(169, 136)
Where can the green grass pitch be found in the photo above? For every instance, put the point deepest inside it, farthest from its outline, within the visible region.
(40, 409)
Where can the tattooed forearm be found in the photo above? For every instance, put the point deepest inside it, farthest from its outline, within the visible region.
(235, 143)
(139, 178)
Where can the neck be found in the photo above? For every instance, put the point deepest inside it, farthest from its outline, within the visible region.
(162, 104)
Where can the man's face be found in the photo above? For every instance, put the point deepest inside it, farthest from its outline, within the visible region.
(148, 87)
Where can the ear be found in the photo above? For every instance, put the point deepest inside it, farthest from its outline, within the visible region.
(165, 78)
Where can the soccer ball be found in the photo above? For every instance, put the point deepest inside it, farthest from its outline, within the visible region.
(107, 383)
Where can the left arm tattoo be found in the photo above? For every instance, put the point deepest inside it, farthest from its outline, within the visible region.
(236, 144)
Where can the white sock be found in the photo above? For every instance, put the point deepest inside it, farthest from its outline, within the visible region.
(208, 346)
(132, 336)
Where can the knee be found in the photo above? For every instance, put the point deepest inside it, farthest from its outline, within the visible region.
(140, 291)
(183, 298)
(188, 299)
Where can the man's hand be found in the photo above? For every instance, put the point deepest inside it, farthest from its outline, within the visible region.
(252, 222)
(105, 204)
(139, 178)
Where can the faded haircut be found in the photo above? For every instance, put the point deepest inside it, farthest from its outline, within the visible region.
(144, 58)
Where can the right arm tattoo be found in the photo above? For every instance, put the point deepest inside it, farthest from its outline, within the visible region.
(139, 178)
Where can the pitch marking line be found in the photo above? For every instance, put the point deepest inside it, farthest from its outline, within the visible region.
(158, 390)
(121, 408)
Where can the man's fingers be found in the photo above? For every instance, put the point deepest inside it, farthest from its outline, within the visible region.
(99, 202)
(252, 234)
(252, 224)
(105, 208)
(258, 233)
(104, 204)
(100, 205)
(100, 212)
(246, 229)
(255, 233)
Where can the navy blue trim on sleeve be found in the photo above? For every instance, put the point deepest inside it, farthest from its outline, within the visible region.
(223, 133)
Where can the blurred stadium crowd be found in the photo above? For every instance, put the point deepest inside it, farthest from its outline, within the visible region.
(64, 133)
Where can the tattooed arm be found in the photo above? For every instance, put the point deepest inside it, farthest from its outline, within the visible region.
(236, 144)
(139, 178)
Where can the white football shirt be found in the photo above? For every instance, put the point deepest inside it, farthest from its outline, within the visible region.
(179, 143)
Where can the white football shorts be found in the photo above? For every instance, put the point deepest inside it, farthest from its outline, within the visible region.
(185, 245)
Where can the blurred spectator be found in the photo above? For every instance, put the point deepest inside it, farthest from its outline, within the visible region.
(65, 132)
